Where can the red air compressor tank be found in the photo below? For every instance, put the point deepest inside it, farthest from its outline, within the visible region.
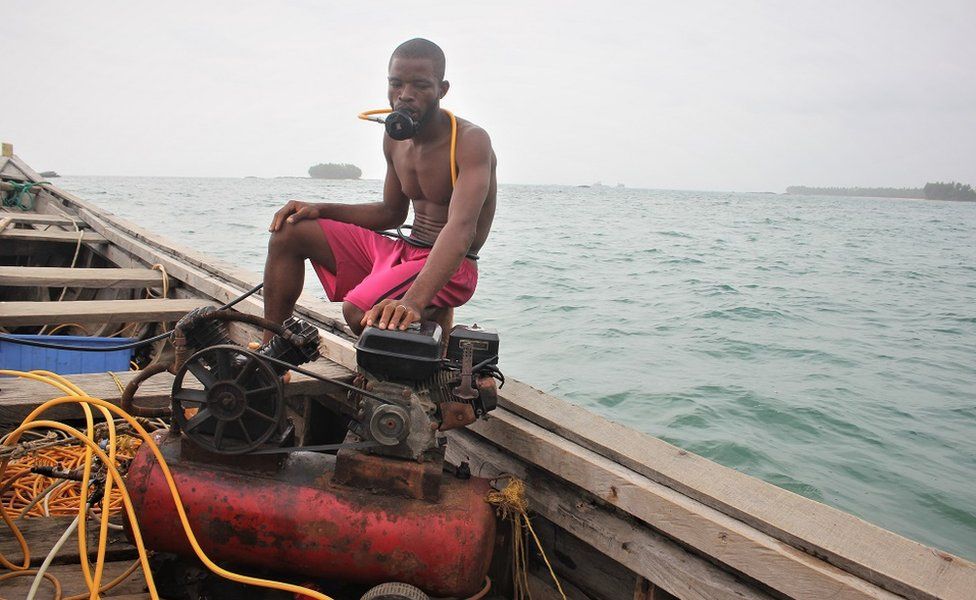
(295, 520)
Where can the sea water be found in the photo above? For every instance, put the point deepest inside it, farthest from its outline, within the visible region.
(825, 345)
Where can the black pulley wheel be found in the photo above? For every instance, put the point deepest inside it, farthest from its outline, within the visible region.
(240, 406)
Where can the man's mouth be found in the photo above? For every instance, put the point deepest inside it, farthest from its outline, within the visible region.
(413, 113)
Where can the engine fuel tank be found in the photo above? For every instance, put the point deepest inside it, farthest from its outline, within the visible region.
(295, 520)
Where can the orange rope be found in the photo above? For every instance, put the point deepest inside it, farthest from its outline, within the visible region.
(65, 499)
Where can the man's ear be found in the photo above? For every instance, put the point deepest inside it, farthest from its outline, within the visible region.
(445, 85)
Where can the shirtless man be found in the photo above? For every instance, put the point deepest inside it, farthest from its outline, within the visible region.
(383, 282)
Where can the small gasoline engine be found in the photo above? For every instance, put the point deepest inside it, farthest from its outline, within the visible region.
(381, 509)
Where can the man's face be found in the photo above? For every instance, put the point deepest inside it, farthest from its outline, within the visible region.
(414, 88)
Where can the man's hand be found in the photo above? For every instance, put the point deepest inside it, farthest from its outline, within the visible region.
(292, 212)
(390, 314)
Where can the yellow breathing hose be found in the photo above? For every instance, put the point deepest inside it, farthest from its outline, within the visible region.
(370, 115)
(75, 396)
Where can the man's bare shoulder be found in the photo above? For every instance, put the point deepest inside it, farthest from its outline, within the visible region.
(476, 136)
(468, 129)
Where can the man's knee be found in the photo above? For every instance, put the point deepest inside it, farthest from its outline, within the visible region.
(354, 316)
(296, 238)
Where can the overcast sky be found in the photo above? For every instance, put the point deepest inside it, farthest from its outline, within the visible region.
(744, 96)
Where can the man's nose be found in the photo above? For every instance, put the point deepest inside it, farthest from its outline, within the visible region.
(406, 94)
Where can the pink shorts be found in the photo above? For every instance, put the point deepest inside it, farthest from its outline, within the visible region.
(371, 267)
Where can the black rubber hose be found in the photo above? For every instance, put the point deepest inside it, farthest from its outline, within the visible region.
(130, 392)
(226, 315)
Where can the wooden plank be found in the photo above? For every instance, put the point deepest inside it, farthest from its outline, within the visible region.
(18, 397)
(898, 564)
(223, 289)
(41, 219)
(633, 544)
(213, 278)
(41, 533)
(541, 587)
(645, 590)
(146, 244)
(73, 582)
(18, 169)
(743, 549)
(80, 277)
(53, 236)
(97, 311)
(579, 563)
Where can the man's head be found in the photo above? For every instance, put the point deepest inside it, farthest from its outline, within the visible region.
(416, 78)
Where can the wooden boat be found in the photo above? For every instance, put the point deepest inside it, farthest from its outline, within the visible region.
(619, 514)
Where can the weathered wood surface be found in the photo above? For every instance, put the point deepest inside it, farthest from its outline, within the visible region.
(41, 533)
(80, 277)
(55, 236)
(40, 219)
(11, 169)
(200, 274)
(580, 564)
(73, 582)
(18, 397)
(96, 311)
(744, 549)
(627, 540)
(877, 555)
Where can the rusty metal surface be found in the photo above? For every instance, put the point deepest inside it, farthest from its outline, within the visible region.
(390, 476)
(488, 392)
(298, 521)
(456, 414)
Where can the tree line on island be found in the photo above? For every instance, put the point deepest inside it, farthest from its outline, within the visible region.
(334, 171)
(931, 191)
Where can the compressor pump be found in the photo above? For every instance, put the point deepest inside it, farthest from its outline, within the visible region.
(382, 508)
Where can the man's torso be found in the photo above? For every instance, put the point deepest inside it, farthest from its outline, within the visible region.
(425, 177)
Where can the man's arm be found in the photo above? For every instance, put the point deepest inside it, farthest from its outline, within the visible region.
(453, 242)
(390, 212)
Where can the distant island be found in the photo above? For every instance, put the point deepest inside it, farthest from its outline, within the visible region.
(599, 184)
(334, 171)
(931, 191)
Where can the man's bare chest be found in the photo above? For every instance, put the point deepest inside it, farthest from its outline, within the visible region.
(424, 175)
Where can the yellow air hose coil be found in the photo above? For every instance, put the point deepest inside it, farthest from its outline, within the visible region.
(114, 478)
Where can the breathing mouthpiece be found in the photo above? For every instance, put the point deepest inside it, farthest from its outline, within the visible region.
(401, 126)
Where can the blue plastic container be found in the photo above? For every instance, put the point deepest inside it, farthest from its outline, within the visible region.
(65, 362)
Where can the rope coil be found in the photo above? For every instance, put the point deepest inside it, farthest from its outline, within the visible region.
(512, 505)
(13, 200)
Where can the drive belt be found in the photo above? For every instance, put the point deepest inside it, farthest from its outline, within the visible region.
(320, 448)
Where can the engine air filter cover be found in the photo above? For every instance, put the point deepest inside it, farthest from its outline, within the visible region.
(411, 355)
(484, 342)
